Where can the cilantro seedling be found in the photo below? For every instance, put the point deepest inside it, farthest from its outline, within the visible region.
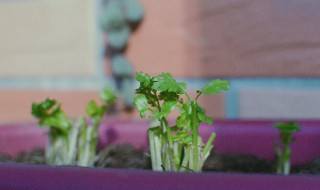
(283, 151)
(70, 142)
(178, 147)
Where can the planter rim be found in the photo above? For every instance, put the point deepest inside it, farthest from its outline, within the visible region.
(28, 176)
(232, 137)
(67, 177)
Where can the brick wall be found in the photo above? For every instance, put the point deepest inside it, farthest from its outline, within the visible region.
(269, 50)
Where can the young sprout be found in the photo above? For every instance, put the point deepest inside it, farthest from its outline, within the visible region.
(71, 143)
(175, 147)
(283, 151)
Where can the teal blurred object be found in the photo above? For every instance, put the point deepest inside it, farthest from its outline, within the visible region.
(121, 66)
(120, 19)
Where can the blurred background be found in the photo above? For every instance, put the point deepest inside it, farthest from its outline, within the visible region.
(70, 49)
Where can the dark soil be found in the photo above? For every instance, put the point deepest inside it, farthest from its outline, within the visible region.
(236, 163)
(36, 156)
(125, 156)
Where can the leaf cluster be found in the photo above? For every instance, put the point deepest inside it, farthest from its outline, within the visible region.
(178, 147)
(162, 94)
(287, 127)
(94, 110)
(50, 114)
(286, 130)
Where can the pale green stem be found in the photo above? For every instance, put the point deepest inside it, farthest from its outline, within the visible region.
(155, 150)
(209, 145)
(194, 123)
(185, 161)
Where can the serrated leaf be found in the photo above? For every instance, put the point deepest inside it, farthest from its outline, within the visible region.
(169, 106)
(152, 98)
(201, 114)
(184, 121)
(215, 87)
(141, 103)
(158, 115)
(165, 82)
(165, 95)
(143, 78)
(204, 118)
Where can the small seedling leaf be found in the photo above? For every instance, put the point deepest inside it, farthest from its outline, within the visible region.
(288, 127)
(215, 87)
(168, 106)
(93, 109)
(141, 103)
(165, 82)
(107, 95)
(143, 78)
(201, 114)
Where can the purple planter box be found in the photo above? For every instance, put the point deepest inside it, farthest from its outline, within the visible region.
(236, 137)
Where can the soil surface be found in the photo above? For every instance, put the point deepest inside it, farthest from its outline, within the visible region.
(125, 156)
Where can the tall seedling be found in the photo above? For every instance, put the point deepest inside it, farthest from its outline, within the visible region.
(178, 147)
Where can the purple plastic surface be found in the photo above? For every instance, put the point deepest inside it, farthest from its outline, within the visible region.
(33, 177)
(233, 136)
(250, 137)
(15, 138)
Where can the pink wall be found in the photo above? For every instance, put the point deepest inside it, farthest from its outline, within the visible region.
(196, 40)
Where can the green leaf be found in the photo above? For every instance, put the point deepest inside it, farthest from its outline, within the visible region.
(287, 127)
(152, 98)
(58, 121)
(143, 78)
(50, 114)
(108, 95)
(215, 87)
(158, 115)
(45, 108)
(205, 118)
(165, 82)
(165, 95)
(166, 109)
(201, 114)
(184, 121)
(93, 109)
(141, 103)
(169, 106)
